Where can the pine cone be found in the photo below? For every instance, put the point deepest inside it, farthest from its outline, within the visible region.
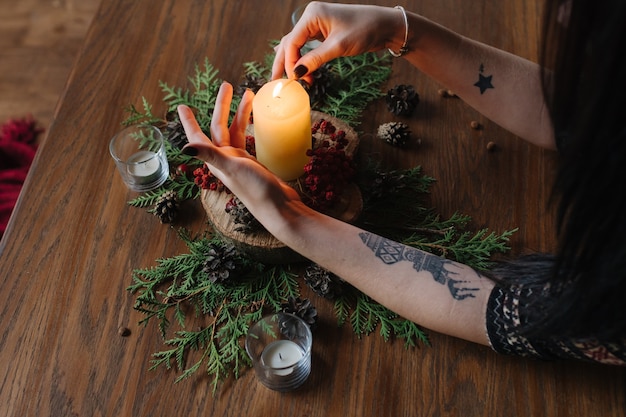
(174, 131)
(395, 133)
(251, 82)
(323, 78)
(300, 308)
(323, 282)
(402, 100)
(220, 262)
(387, 184)
(242, 216)
(166, 208)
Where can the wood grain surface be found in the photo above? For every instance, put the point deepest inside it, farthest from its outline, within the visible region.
(67, 256)
(39, 41)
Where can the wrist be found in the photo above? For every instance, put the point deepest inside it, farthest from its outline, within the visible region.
(404, 35)
(304, 230)
(290, 222)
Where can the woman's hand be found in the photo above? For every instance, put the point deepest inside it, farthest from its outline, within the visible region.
(345, 29)
(225, 155)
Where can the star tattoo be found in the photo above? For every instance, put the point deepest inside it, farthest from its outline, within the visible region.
(484, 83)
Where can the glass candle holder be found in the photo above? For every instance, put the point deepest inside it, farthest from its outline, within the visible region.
(280, 348)
(139, 154)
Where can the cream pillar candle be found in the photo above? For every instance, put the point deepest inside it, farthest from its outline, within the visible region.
(282, 127)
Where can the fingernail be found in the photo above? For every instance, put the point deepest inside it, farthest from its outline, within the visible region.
(300, 71)
(190, 151)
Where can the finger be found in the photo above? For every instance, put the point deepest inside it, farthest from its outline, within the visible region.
(288, 51)
(199, 144)
(315, 58)
(278, 66)
(240, 122)
(219, 121)
(194, 133)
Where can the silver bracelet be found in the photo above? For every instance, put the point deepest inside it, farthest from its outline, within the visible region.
(404, 49)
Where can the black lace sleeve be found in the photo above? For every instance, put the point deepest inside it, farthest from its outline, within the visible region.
(505, 318)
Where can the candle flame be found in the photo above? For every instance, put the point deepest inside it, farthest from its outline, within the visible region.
(277, 89)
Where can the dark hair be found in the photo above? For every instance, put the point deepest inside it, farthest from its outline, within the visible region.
(584, 81)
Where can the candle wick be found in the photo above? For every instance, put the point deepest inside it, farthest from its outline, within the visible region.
(280, 356)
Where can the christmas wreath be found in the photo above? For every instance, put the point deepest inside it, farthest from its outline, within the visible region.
(223, 291)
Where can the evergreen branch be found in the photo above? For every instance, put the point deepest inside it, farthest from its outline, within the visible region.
(410, 332)
(256, 70)
(174, 96)
(358, 82)
(147, 199)
(145, 116)
(232, 306)
(472, 249)
(366, 315)
(342, 309)
(163, 358)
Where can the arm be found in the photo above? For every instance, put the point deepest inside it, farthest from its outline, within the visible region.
(503, 87)
(439, 294)
(436, 293)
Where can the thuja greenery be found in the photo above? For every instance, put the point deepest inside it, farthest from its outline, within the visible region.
(356, 83)
(366, 315)
(203, 321)
(179, 287)
(396, 206)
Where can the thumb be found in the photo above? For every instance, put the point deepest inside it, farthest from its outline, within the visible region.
(200, 151)
(315, 58)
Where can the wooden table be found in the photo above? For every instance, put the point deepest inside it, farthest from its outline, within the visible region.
(67, 256)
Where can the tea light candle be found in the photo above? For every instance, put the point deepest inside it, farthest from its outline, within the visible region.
(144, 167)
(279, 346)
(281, 356)
(282, 127)
(139, 154)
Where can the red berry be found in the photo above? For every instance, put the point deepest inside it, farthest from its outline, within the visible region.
(182, 170)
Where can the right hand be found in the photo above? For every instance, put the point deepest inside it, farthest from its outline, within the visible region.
(344, 29)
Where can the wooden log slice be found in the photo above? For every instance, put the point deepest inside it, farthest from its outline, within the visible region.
(262, 245)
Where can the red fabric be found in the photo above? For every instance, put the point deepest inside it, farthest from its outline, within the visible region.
(17, 150)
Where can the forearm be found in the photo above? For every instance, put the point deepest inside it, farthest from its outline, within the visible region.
(436, 293)
(503, 87)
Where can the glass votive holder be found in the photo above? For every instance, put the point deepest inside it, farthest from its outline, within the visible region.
(280, 348)
(139, 154)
